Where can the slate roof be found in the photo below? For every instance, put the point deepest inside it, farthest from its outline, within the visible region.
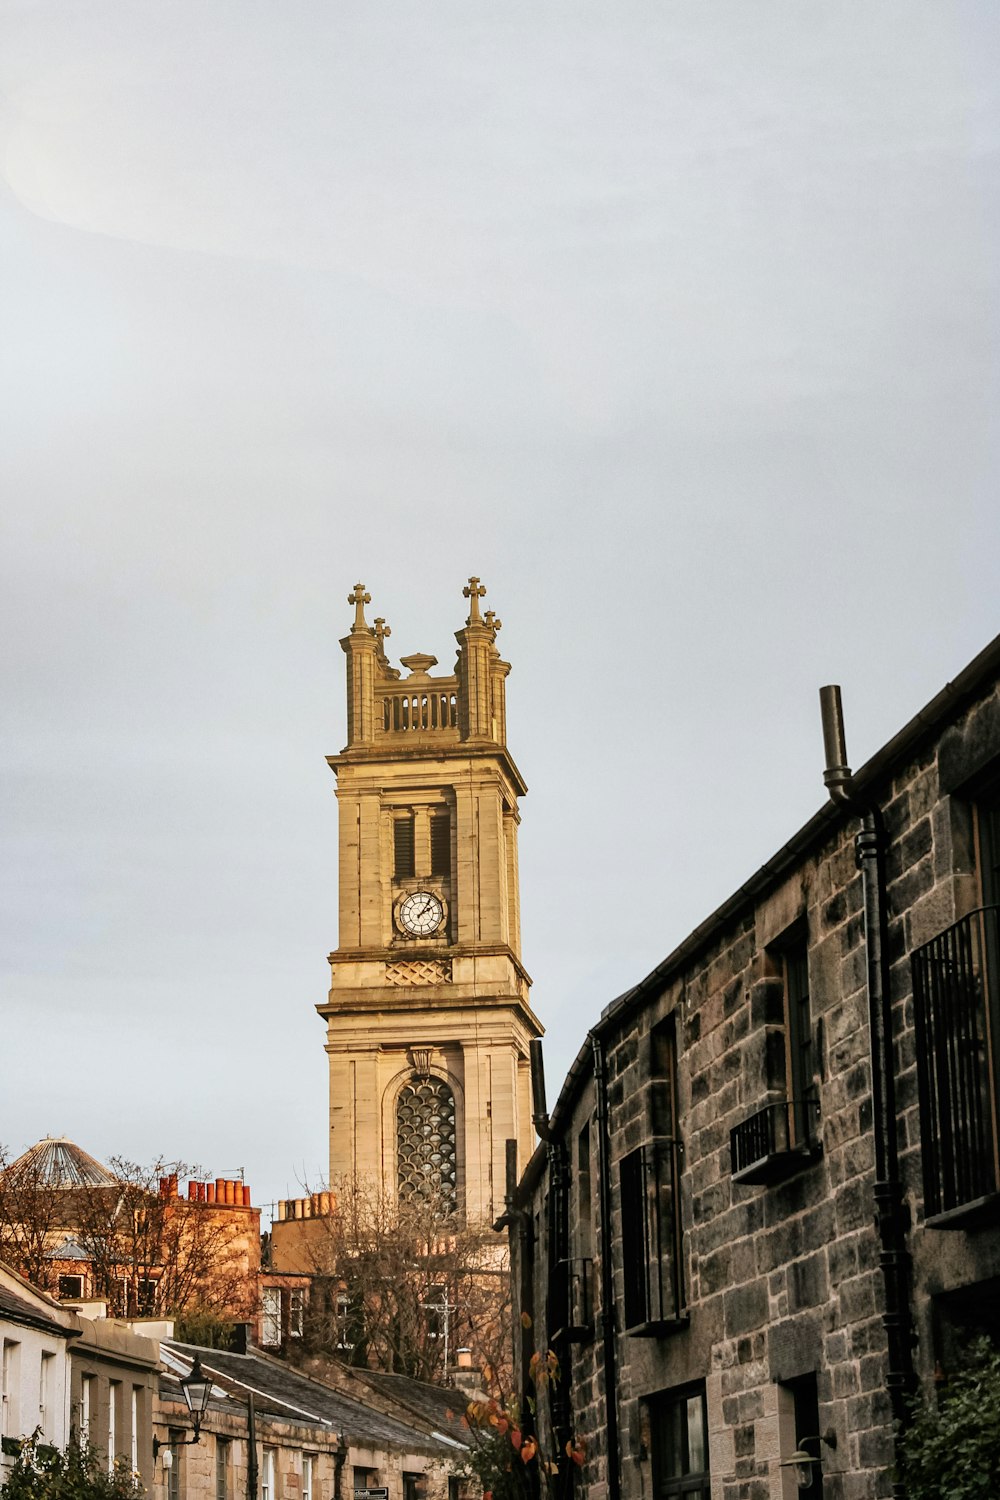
(439, 1406)
(285, 1393)
(25, 1313)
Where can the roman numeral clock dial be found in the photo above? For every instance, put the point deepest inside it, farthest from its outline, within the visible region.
(421, 913)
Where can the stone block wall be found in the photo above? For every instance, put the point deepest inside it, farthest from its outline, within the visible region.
(782, 1282)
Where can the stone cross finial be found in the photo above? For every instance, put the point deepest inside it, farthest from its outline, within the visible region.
(474, 591)
(380, 630)
(492, 623)
(359, 599)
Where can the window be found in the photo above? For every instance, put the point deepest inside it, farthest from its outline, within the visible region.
(222, 1470)
(145, 1298)
(270, 1316)
(799, 1043)
(584, 1206)
(579, 1289)
(362, 1479)
(403, 854)
(440, 843)
(134, 1435)
(114, 1395)
(47, 1394)
(10, 1419)
(956, 1003)
(267, 1475)
(176, 1440)
(307, 1477)
(782, 1137)
(413, 1486)
(679, 1429)
(343, 1321)
(296, 1312)
(71, 1287)
(650, 1238)
(87, 1398)
(425, 1144)
(454, 1487)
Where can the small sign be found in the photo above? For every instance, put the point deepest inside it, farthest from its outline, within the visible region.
(380, 1493)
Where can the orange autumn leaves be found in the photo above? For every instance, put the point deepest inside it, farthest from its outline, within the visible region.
(504, 1421)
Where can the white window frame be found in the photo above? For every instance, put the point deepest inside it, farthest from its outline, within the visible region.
(308, 1476)
(268, 1488)
(270, 1316)
(87, 1384)
(10, 1420)
(134, 1444)
(46, 1376)
(114, 1386)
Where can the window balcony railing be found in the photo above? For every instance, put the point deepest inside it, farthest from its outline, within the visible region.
(956, 984)
(778, 1140)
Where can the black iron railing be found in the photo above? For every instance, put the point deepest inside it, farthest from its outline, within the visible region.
(775, 1140)
(955, 1000)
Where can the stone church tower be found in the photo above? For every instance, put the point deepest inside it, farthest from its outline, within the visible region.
(428, 1020)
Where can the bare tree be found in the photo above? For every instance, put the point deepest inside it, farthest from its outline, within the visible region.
(402, 1287)
(145, 1250)
(33, 1218)
(154, 1254)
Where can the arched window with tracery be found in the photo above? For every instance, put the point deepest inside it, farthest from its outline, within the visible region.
(425, 1145)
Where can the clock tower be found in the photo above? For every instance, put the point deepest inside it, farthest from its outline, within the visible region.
(428, 1021)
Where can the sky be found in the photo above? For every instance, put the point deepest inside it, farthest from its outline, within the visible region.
(677, 324)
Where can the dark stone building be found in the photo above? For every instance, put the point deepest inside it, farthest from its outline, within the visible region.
(765, 1204)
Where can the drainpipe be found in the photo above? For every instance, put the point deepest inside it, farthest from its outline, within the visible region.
(607, 1319)
(517, 1224)
(557, 1288)
(870, 851)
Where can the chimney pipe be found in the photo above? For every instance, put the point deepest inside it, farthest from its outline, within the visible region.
(837, 776)
(539, 1114)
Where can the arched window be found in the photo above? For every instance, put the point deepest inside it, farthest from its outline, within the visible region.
(425, 1145)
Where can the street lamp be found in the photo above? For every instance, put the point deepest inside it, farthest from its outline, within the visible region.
(196, 1388)
(803, 1464)
(806, 1465)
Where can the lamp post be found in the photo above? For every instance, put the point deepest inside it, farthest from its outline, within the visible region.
(196, 1388)
(805, 1465)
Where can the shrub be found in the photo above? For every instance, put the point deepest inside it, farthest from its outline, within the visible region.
(43, 1473)
(952, 1446)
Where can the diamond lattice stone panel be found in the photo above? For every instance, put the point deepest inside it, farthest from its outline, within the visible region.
(419, 971)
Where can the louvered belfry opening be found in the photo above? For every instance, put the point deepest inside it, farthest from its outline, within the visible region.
(425, 1145)
(403, 847)
(440, 843)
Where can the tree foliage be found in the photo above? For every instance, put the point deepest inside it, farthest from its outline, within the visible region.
(508, 1456)
(952, 1445)
(40, 1472)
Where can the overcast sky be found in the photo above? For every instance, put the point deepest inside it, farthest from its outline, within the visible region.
(677, 323)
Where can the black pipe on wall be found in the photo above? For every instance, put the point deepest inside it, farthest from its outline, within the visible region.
(870, 852)
(607, 1319)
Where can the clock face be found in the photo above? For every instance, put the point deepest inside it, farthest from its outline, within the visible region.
(421, 913)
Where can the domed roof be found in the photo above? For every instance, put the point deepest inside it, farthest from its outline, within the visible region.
(59, 1163)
